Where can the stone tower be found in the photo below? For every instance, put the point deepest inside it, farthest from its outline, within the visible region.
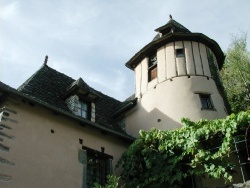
(176, 76)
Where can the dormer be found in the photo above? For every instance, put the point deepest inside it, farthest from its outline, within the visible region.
(172, 26)
(80, 99)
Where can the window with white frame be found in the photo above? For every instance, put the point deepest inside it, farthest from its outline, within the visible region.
(82, 109)
(79, 107)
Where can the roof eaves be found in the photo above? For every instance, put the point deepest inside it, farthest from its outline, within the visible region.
(124, 107)
(199, 37)
(13, 91)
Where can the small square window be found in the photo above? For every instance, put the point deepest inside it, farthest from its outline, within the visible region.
(206, 102)
(179, 52)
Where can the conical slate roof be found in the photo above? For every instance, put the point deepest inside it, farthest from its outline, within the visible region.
(174, 31)
(171, 26)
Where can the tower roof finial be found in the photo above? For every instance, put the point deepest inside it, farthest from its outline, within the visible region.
(170, 17)
(46, 60)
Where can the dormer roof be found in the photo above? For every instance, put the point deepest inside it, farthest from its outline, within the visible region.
(82, 89)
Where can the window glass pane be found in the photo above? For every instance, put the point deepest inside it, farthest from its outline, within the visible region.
(78, 104)
(81, 109)
(78, 112)
(152, 60)
(84, 114)
(209, 103)
(84, 106)
(180, 52)
(152, 67)
(206, 102)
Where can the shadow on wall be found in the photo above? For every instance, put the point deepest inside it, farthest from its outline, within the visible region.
(140, 119)
(162, 121)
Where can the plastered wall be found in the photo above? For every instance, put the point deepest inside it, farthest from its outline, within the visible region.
(163, 106)
(45, 148)
(174, 94)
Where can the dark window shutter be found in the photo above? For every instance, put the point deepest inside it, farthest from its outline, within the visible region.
(109, 166)
(154, 73)
(82, 155)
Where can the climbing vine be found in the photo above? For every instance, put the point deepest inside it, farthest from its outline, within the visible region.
(198, 148)
(112, 182)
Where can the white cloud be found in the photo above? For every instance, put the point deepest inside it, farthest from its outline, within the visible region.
(9, 11)
(94, 39)
(112, 85)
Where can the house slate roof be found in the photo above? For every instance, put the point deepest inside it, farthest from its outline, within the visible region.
(46, 86)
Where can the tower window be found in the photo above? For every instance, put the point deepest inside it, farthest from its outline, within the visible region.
(179, 52)
(152, 67)
(206, 102)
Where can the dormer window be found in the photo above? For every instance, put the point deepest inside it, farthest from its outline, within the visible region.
(152, 67)
(79, 107)
(82, 109)
(179, 52)
(80, 99)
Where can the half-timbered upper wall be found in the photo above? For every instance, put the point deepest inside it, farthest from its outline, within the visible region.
(175, 59)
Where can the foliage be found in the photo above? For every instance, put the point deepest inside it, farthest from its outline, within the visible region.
(112, 182)
(236, 74)
(171, 156)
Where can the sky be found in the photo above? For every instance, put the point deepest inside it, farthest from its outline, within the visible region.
(93, 39)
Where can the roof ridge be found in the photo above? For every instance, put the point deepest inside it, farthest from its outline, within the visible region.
(3, 85)
(40, 69)
(22, 86)
(91, 88)
(29, 79)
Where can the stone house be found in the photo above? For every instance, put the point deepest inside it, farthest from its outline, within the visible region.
(56, 131)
